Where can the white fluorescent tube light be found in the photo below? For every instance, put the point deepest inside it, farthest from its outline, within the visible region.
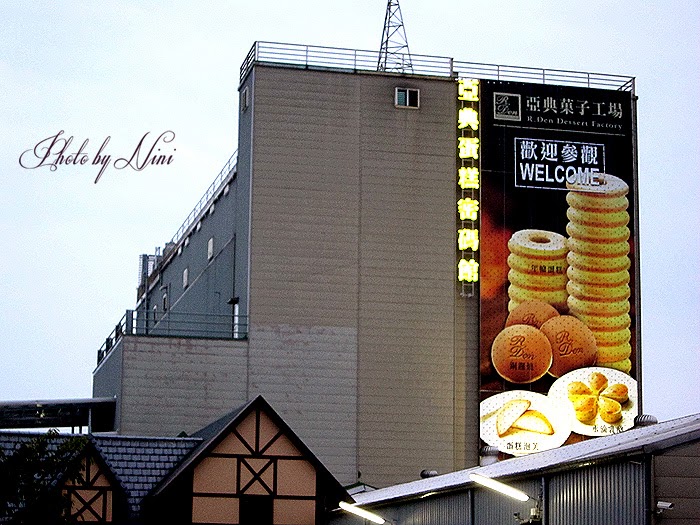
(361, 512)
(499, 487)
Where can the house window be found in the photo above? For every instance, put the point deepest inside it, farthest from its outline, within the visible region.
(236, 321)
(256, 510)
(407, 98)
(165, 302)
(244, 101)
(210, 248)
(185, 277)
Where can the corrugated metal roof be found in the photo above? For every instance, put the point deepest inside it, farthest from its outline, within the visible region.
(644, 440)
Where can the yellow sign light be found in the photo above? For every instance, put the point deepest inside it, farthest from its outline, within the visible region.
(468, 147)
(468, 117)
(468, 239)
(468, 270)
(468, 89)
(468, 209)
(468, 178)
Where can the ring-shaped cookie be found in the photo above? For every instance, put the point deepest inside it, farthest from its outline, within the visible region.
(546, 281)
(603, 308)
(594, 233)
(606, 249)
(599, 293)
(598, 264)
(556, 298)
(600, 322)
(596, 218)
(611, 354)
(538, 243)
(532, 266)
(601, 278)
(602, 184)
(534, 313)
(623, 366)
(512, 305)
(588, 201)
(613, 337)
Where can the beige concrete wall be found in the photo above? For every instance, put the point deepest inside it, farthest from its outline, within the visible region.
(357, 332)
(407, 250)
(172, 385)
(304, 257)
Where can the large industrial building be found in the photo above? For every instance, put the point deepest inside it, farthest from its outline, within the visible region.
(334, 266)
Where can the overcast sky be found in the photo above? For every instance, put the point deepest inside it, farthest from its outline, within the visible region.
(117, 70)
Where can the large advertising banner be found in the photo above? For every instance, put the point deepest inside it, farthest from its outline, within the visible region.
(557, 264)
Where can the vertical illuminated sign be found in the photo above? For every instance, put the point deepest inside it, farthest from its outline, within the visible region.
(468, 183)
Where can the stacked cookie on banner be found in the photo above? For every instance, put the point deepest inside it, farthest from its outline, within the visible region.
(537, 263)
(599, 263)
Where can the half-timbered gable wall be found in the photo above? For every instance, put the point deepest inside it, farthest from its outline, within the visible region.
(255, 472)
(91, 493)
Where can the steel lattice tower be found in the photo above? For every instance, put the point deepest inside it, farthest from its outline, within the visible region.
(394, 54)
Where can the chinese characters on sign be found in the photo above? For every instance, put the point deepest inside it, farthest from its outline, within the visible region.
(570, 106)
(468, 182)
(550, 164)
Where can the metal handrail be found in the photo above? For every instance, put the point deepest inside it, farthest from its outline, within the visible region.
(175, 324)
(544, 76)
(362, 60)
(207, 197)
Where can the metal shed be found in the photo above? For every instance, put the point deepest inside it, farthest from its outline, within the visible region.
(647, 475)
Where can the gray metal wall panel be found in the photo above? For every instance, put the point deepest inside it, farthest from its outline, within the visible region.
(107, 379)
(677, 480)
(492, 508)
(210, 281)
(243, 194)
(604, 494)
(441, 510)
(357, 333)
(451, 509)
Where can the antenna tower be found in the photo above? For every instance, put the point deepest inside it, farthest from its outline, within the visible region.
(393, 53)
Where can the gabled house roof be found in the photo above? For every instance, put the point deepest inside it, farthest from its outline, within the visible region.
(142, 467)
(135, 464)
(217, 431)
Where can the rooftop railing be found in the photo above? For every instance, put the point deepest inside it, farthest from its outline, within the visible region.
(203, 203)
(358, 60)
(175, 324)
